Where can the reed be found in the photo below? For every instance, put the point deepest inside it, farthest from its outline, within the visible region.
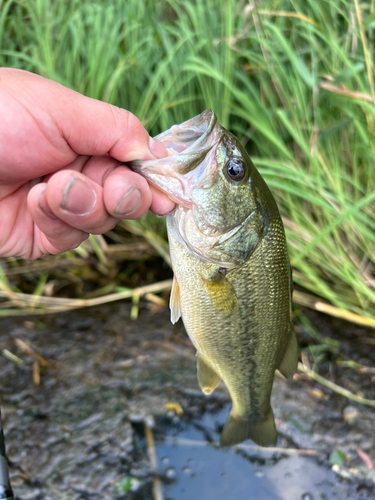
(292, 79)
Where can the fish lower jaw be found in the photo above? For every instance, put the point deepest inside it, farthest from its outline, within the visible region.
(171, 186)
(182, 200)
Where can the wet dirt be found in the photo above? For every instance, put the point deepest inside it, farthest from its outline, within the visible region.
(80, 433)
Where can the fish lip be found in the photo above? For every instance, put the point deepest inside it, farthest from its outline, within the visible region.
(180, 163)
(178, 200)
(207, 118)
(209, 129)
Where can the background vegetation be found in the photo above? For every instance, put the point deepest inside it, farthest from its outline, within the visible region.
(294, 80)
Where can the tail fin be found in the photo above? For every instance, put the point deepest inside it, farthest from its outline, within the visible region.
(237, 430)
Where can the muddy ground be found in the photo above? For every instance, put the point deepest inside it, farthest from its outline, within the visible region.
(80, 433)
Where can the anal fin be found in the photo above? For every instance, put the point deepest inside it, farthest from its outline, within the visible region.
(237, 430)
(288, 365)
(175, 301)
(207, 378)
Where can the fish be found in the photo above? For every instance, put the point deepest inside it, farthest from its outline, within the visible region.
(232, 283)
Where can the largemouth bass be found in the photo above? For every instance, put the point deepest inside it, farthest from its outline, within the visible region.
(232, 281)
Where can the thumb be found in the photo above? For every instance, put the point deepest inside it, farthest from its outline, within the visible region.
(88, 126)
(92, 127)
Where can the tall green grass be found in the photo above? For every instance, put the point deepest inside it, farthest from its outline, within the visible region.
(292, 79)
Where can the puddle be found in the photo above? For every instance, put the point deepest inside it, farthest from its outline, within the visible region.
(194, 468)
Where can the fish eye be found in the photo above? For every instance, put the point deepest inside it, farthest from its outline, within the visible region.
(234, 169)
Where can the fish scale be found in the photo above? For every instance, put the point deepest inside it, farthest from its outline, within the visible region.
(253, 324)
(232, 284)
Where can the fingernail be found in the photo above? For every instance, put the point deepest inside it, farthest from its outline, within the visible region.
(79, 198)
(157, 149)
(44, 207)
(129, 203)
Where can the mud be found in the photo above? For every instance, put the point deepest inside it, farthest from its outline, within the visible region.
(80, 433)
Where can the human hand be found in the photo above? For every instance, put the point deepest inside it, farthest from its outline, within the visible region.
(61, 176)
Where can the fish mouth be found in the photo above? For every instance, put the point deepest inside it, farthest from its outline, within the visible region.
(191, 146)
(189, 135)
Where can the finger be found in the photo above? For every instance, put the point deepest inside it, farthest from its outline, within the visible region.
(126, 194)
(161, 204)
(94, 128)
(94, 167)
(78, 165)
(78, 201)
(54, 236)
(97, 168)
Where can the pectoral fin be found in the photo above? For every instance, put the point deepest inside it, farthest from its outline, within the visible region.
(222, 295)
(207, 378)
(288, 365)
(175, 301)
